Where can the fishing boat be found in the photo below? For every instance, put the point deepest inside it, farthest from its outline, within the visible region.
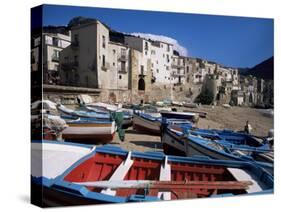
(95, 112)
(70, 113)
(223, 145)
(151, 122)
(147, 122)
(106, 174)
(88, 130)
(127, 114)
(193, 117)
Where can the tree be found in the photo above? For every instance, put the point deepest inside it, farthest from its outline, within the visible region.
(205, 97)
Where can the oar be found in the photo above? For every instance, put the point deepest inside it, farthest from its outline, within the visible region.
(168, 185)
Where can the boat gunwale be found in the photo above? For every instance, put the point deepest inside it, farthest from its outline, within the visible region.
(65, 186)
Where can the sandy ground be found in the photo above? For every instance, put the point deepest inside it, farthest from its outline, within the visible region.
(217, 118)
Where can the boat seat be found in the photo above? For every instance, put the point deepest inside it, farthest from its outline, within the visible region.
(242, 175)
(120, 173)
(165, 175)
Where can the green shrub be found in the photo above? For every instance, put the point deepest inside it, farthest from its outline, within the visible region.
(205, 97)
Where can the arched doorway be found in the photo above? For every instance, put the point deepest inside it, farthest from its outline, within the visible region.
(141, 86)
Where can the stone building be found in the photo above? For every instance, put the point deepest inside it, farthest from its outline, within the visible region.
(94, 61)
(53, 43)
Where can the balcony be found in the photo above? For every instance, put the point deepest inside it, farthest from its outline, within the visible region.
(105, 66)
(177, 65)
(176, 74)
(122, 57)
(122, 71)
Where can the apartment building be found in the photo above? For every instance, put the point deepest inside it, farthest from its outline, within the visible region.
(161, 62)
(92, 60)
(35, 53)
(53, 43)
(178, 73)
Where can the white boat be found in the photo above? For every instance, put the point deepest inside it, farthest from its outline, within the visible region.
(51, 159)
(147, 122)
(89, 131)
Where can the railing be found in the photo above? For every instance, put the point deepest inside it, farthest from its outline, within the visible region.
(122, 57)
(122, 71)
(177, 65)
(174, 73)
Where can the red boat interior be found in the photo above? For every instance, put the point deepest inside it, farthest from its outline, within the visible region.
(101, 167)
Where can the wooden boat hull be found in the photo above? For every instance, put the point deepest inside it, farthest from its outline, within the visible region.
(144, 125)
(111, 164)
(56, 198)
(94, 133)
(174, 144)
(193, 117)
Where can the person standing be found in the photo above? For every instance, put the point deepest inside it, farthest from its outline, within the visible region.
(248, 128)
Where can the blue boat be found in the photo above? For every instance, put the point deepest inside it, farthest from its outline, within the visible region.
(151, 122)
(106, 174)
(83, 112)
(223, 145)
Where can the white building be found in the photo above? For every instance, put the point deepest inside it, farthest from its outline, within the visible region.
(53, 44)
(161, 60)
(178, 73)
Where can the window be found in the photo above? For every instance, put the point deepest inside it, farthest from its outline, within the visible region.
(142, 69)
(113, 64)
(55, 56)
(146, 45)
(114, 51)
(123, 66)
(168, 48)
(76, 40)
(55, 42)
(103, 60)
(157, 70)
(151, 64)
(123, 52)
(103, 41)
(168, 58)
(76, 60)
(120, 76)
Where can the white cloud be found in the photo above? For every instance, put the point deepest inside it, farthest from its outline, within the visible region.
(182, 50)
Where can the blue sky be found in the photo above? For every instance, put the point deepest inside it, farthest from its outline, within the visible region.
(231, 41)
